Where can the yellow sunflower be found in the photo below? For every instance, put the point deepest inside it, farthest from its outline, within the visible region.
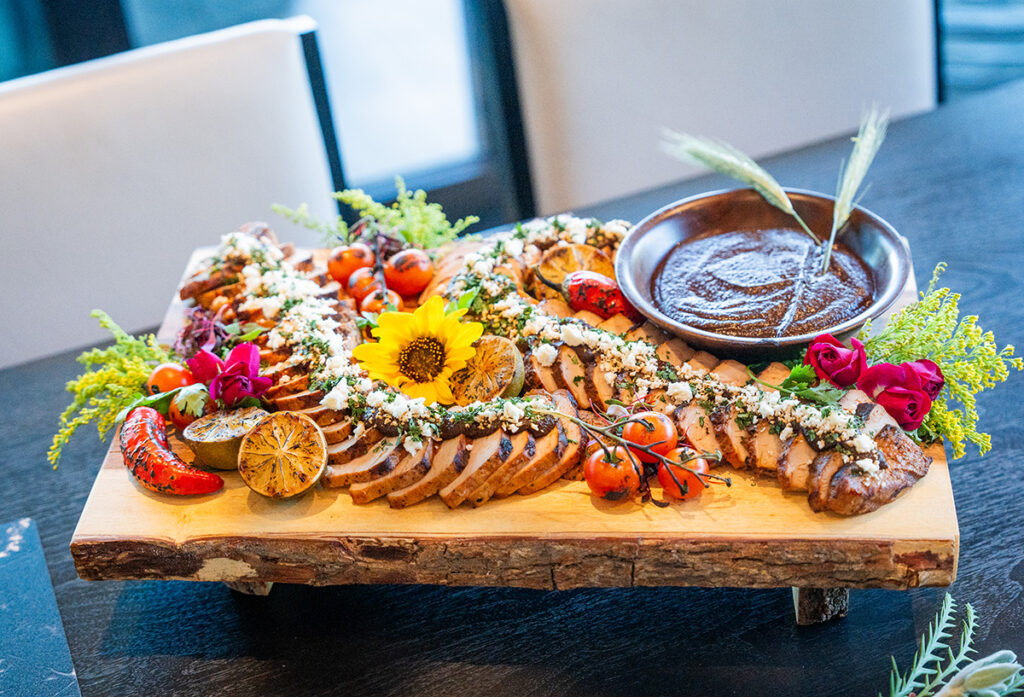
(418, 352)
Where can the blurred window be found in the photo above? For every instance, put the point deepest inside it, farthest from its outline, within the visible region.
(397, 72)
(982, 44)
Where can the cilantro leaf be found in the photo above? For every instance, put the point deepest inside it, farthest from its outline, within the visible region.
(192, 399)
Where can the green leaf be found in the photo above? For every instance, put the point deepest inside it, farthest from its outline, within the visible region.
(160, 401)
(467, 298)
(192, 400)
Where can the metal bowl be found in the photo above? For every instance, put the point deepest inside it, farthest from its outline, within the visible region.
(883, 250)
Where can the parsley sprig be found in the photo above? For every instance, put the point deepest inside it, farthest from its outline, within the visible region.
(800, 385)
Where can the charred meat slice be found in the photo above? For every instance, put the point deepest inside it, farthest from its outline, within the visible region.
(338, 432)
(358, 444)
(514, 463)
(695, 425)
(539, 377)
(617, 324)
(647, 332)
(555, 308)
(851, 492)
(572, 375)
(764, 446)
(485, 456)
(449, 458)
(591, 318)
(409, 470)
(570, 456)
(795, 462)
(377, 462)
(323, 415)
(675, 352)
(299, 400)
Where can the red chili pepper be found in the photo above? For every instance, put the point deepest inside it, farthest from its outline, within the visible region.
(149, 457)
(589, 290)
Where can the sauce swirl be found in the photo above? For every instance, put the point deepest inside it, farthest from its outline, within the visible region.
(760, 283)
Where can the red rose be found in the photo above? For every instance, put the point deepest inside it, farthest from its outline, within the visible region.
(232, 380)
(899, 390)
(929, 375)
(835, 363)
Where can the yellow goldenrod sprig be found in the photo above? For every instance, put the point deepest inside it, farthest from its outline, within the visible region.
(968, 356)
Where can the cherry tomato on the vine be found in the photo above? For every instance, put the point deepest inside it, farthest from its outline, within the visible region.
(346, 259)
(613, 478)
(678, 482)
(409, 271)
(167, 376)
(377, 301)
(361, 283)
(651, 429)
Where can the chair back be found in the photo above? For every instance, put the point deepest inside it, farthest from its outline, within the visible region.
(113, 171)
(599, 79)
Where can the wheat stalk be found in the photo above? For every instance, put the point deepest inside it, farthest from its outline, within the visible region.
(725, 159)
(865, 146)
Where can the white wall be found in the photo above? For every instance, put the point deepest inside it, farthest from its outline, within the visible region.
(112, 172)
(600, 78)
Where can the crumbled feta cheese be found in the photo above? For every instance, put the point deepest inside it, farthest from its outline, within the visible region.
(862, 443)
(679, 392)
(545, 354)
(572, 335)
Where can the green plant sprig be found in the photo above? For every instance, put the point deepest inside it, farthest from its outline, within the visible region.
(409, 218)
(114, 378)
(936, 671)
(969, 358)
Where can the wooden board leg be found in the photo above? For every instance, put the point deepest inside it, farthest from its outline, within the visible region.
(250, 587)
(817, 605)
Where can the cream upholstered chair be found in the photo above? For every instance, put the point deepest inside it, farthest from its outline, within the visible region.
(113, 171)
(598, 79)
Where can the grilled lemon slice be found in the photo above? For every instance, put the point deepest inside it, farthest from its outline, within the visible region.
(496, 370)
(560, 261)
(215, 437)
(283, 455)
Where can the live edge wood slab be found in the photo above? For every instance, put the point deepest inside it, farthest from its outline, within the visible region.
(751, 534)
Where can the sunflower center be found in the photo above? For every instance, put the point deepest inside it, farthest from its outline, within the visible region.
(422, 359)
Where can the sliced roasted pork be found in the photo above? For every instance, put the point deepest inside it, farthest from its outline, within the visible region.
(765, 446)
(570, 456)
(617, 324)
(377, 462)
(675, 352)
(903, 463)
(299, 400)
(356, 445)
(486, 456)
(448, 460)
(409, 470)
(572, 375)
(539, 377)
(510, 466)
(338, 432)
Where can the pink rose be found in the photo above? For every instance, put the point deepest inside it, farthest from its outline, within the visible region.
(899, 390)
(233, 380)
(929, 375)
(835, 363)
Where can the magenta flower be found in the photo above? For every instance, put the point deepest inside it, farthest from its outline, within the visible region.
(233, 380)
(835, 363)
(899, 390)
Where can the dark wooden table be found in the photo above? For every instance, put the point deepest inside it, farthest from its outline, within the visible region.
(952, 181)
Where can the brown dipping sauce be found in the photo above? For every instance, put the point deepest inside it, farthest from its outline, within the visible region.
(760, 283)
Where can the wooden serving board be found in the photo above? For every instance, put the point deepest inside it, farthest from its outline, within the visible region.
(752, 534)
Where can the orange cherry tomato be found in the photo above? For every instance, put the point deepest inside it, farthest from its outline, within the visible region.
(377, 301)
(680, 483)
(361, 283)
(614, 478)
(347, 259)
(409, 271)
(651, 429)
(167, 376)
